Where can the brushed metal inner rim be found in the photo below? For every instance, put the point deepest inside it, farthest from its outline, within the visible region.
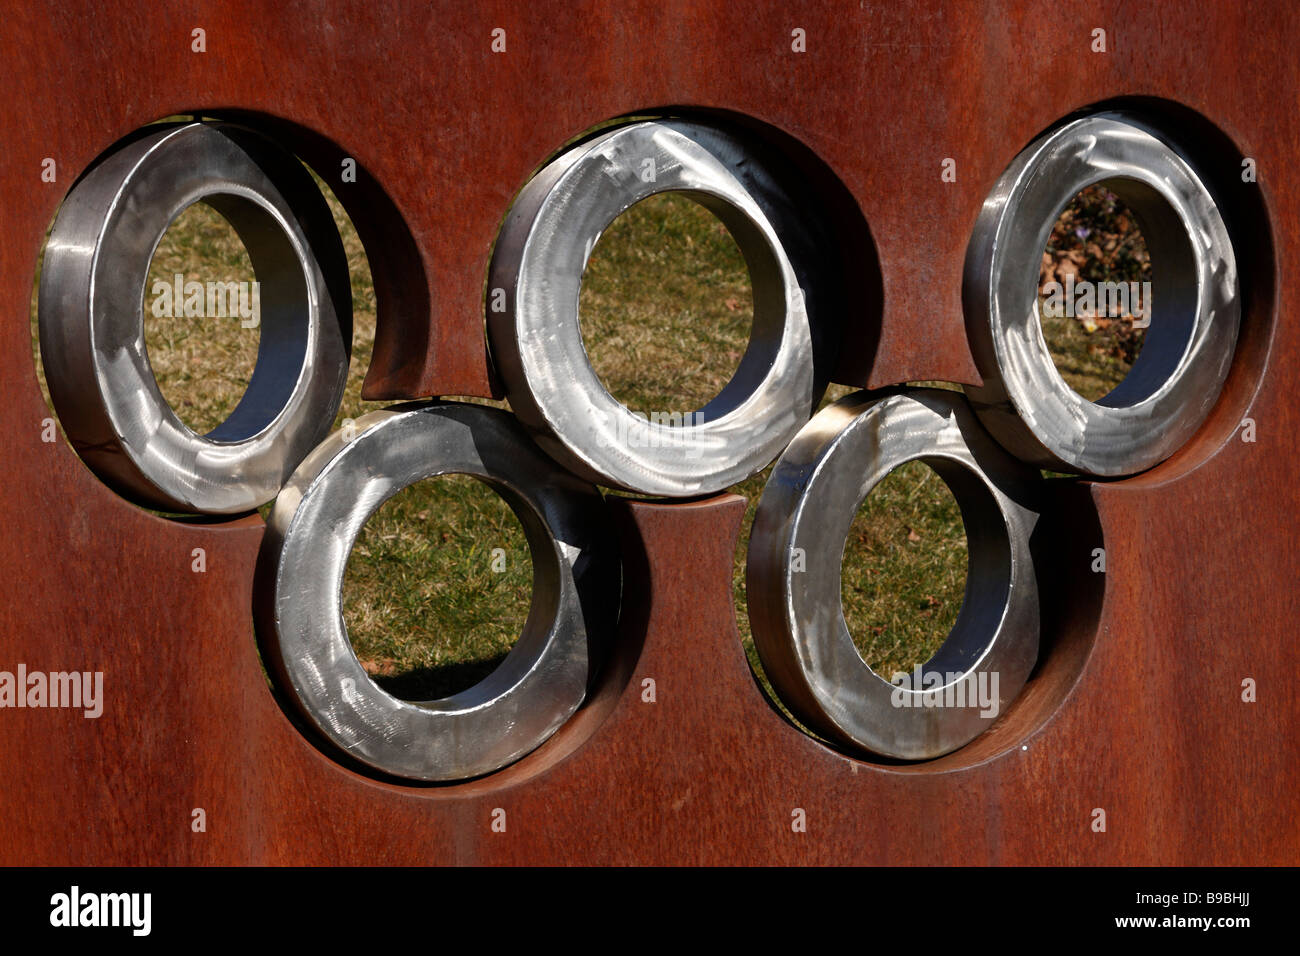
(541, 256)
(797, 617)
(762, 259)
(988, 569)
(92, 324)
(1168, 393)
(542, 680)
(285, 334)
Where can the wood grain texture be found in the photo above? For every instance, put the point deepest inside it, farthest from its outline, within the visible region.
(1136, 705)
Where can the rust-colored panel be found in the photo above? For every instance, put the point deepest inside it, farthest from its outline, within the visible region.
(1136, 706)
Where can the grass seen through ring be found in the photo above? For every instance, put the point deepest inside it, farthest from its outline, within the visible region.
(202, 363)
(666, 305)
(904, 570)
(437, 587)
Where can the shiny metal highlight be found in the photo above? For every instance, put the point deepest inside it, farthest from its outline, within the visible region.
(1180, 371)
(794, 565)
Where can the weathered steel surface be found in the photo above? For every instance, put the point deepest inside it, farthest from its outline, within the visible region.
(1136, 705)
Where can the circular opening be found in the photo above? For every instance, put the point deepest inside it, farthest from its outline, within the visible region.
(904, 570)
(437, 588)
(202, 321)
(666, 307)
(1095, 291)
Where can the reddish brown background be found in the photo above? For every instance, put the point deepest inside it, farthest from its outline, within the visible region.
(1136, 706)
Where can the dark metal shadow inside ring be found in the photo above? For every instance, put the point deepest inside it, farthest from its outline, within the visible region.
(794, 565)
(92, 327)
(543, 679)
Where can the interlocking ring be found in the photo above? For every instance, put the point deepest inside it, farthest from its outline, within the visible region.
(536, 340)
(794, 566)
(1180, 371)
(91, 318)
(545, 676)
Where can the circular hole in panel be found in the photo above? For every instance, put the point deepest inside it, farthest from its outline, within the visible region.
(904, 570)
(666, 306)
(1095, 292)
(437, 588)
(201, 307)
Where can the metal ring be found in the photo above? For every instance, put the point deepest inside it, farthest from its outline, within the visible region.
(794, 565)
(536, 340)
(545, 676)
(1176, 380)
(91, 318)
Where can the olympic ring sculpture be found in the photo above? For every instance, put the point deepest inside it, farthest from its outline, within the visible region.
(271, 446)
